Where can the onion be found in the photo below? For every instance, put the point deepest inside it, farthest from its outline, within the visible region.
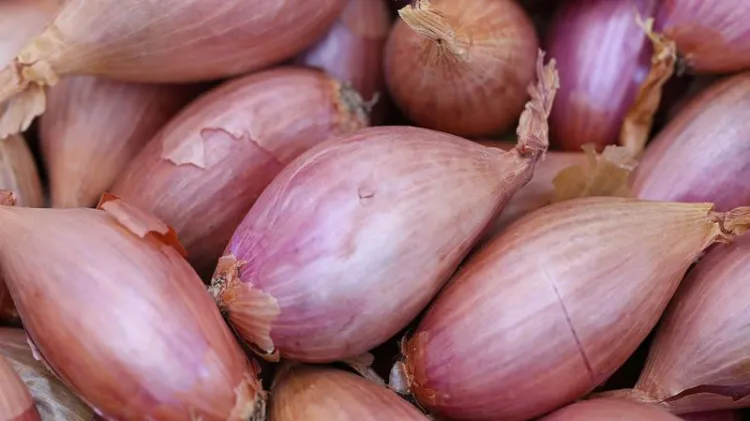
(157, 41)
(18, 172)
(461, 66)
(353, 49)
(610, 410)
(205, 169)
(353, 239)
(21, 21)
(15, 401)
(521, 329)
(702, 154)
(604, 59)
(130, 328)
(697, 361)
(52, 399)
(713, 37)
(323, 394)
(713, 416)
(93, 127)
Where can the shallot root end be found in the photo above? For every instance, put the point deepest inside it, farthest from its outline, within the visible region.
(353, 113)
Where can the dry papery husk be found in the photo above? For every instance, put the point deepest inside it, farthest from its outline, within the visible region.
(53, 400)
(82, 315)
(93, 127)
(698, 360)
(566, 175)
(396, 210)
(157, 41)
(318, 393)
(521, 329)
(204, 170)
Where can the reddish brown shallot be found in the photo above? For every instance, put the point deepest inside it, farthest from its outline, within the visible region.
(157, 41)
(213, 160)
(130, 327)
(461, 67)
(353, 238)
(521, 329)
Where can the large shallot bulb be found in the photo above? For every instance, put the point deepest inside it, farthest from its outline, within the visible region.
(120, 316)
(157, 41)
(354, 237)
(461, 67)
(521, 330)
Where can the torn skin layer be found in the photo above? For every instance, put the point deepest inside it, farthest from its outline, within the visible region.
(212, 161)
(533, 296)
(169, 46)
(193, 366)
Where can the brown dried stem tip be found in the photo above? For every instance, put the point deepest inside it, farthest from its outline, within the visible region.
(431, 23)
(637, 124)
(533, 127)
(607, 175)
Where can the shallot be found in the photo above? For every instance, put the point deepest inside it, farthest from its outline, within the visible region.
(94, 127)
(20, 22)
(116, 313)
(604, 58)
(312, 393)
(353, 239)
(701, 155)
(157, 41)
(461, 67)
(205, 169)
(551, 307)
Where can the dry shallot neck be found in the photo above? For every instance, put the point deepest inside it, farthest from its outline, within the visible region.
(731, 224)
(353, 111)
(533, 126)
(431, 23)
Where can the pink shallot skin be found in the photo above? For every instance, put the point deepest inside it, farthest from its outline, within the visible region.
(610, 410)
(352, 240)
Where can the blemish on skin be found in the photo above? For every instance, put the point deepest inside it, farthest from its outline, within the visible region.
(366, 195)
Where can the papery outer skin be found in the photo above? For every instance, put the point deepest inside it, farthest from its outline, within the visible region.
(713, 416)
(480, 94)
(130, 328)
(178, 41)
(324, 394)
(539, 191)
(604, 57)
(610, 410)
(205, 169)
(53, 400)
(93, 127)
(18, 172)
(521, 329)
(701, 154)
(712, 35)
(352, 51)
(701, 340)
(15, 401)
(395, 211)
(21, 21)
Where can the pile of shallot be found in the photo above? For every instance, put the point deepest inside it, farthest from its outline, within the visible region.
(374, 210)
